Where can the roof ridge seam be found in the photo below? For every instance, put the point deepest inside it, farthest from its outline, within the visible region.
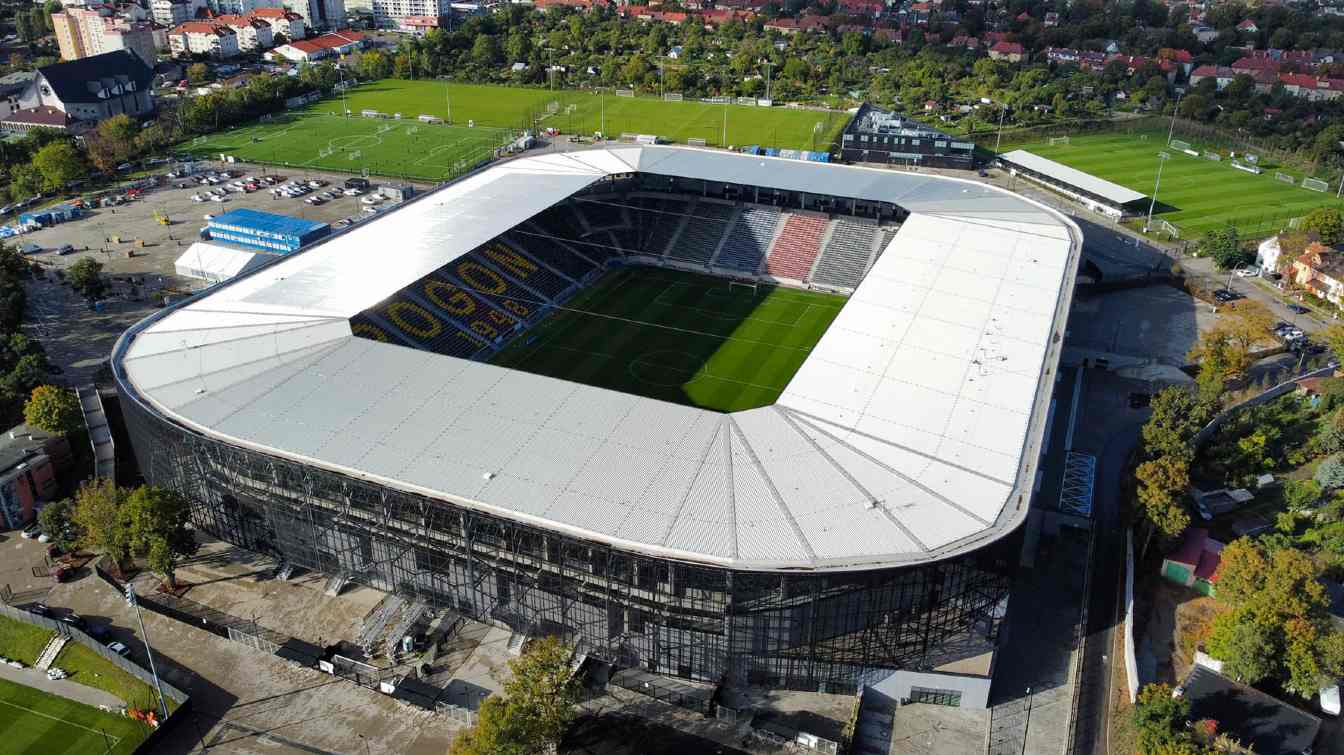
(276, 328)
(774, 492)
(903, 476)
(686, 496)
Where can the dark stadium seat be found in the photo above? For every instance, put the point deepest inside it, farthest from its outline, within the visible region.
(844, 261)
(524, 268)
(699, 240)
(749, 239)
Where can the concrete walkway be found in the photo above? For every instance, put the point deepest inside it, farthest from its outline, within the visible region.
(31, 677)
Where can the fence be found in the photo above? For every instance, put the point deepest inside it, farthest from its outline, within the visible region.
(256, 642)
(1208, 430)
(352, 670)
(664, 689)
(459, 714)
(1131, 661)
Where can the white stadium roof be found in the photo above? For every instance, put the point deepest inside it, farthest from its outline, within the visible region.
(1111, 192)
(910, 434)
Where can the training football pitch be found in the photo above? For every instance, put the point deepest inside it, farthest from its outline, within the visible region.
(483, 117)
(1196, 194)
(383, 147)
(34, 721)
(678, 336)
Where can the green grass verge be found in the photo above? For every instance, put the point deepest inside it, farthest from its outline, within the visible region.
(1196, 194)
(678, 336)
(22, 642)
(438, 151)
(32, 721)
(92, 670)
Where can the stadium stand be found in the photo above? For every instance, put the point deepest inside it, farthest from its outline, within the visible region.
(559, 257)
(524, 269)
(603, 215)
(749, 239)
(845, 258)
(704, 230)
(661, 221)
(797, 247)
(499, 290)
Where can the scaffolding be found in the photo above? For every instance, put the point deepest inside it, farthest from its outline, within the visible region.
(826, 631)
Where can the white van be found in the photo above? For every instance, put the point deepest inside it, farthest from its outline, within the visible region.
(1330, 700)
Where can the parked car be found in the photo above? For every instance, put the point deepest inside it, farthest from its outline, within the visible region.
(1224, 295)
(352, 192)
(74, 620)
(1250, 271)
(119, 649)
(1298, 309)
(66, 249)
(39, 609)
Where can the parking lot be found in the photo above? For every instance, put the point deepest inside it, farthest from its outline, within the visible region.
(129, 239)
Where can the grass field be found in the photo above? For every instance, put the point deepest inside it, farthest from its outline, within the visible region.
(385, 147)
(92, 670)
(681, 337)
(32, 721)
(22, 642)
(434, 152)
(1196, 194)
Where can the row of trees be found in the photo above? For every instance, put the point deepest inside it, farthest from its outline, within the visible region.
(146, 522)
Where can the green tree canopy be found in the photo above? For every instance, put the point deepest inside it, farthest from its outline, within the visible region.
(155, 521)
(86, 276)
(535, 709)
(53, 409)
(59, 163)
(1325, 222)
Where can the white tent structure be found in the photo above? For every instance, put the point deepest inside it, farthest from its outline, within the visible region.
(214, 263)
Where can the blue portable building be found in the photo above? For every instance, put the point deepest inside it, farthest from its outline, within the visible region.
(265, 231)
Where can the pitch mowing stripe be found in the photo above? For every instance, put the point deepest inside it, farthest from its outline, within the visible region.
(737, 364)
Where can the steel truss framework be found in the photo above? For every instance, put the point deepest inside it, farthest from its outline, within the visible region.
(817, 631)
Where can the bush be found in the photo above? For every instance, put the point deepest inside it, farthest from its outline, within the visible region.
(1330, 474)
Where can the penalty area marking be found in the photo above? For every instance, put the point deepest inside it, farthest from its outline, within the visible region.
(113, 737)
(719, 314)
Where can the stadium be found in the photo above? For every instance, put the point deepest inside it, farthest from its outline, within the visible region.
(489, 400)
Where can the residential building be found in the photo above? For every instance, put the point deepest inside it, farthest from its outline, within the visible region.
(1257, 721)
(389, 13)
(170, 13)
(29, 461)
(68, 36)
(1320, 270)
(253, 33)
(1009, 51)
(419, 25)
(74, 96)
(283, 21)
(879, 136)
(334, 44)
(242, 7)
(204, 38)
(12, 87)
(324, 14)
(81, 32)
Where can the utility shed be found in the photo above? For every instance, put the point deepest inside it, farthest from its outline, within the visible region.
(266, 231)
(213, 263)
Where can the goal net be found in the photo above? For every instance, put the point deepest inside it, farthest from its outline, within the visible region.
(553, 107)
(1166, 227)
(1178, 144)
(1315, 184)
(356, 155)
(695, 142)
(672, 97)
(1058, 140)
(743, 287)
(625, 93)
(1284, 177)
(1214, 156)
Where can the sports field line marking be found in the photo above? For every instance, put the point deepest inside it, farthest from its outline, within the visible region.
(62, 720)
(717, 314)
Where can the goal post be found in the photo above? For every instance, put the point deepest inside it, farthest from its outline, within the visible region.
(672, 97)
(625, 93)
(1178, 144)
(1058, 140)
(356, 155)
(740, 286)
(1315, 184)
(1285, 178)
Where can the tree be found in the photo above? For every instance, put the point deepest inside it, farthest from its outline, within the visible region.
(86, 277)
(1333, 337)
(57, 521)
(113, 142)
(1177, 415)
(1330, 473)
(52, 409)
(1300, 495)
(485, 51)
(1224, 246)
(198, 73)
(1245, 645)
(1162, 482)
(535, 710)
(97, 514)
(1159, 717)
(1242, 570)
(1224, 351)
(1327, 223)
(59, 163)
(155, 521)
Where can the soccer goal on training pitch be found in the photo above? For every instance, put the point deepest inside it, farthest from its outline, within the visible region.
(693, 142)
(1055, 141)
(356, 155)
(1168, 228)
(672, 97)
(324, 152)
(553, 107)
(1214, 156)
(1178, 144)
(1284, 177)
(741, 287)
(1315, 184)
(625, 93)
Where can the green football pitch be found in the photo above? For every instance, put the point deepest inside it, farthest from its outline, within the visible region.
(32, 721)
(384, 147)
(1196, 194)
(678, 336)
(484, 117)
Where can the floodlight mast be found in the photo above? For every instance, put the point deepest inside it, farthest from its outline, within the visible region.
(1162, 158)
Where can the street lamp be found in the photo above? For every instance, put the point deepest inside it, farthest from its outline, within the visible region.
(133, 602)
(1171, 131)
(1162, 158)
(1003, 110)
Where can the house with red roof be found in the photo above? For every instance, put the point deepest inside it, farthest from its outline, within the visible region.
(333, 44)
(203, 38)
(1195, 563)
(1012, 52)
(282, 21)
(253, 33)
(1248, 27)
